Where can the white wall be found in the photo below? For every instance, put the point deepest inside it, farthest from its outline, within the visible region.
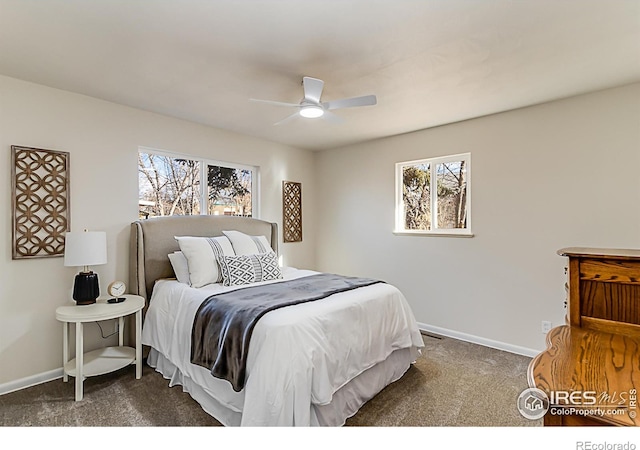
(555, 175)
(103, 140)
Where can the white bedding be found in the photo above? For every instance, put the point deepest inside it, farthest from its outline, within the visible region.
(299, 355)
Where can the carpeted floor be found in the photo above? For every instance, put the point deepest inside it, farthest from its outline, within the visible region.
(453, 383)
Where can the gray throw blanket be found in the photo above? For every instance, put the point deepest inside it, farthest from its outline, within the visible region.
(224, 322)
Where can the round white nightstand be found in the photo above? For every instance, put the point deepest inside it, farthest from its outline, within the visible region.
(106, 359)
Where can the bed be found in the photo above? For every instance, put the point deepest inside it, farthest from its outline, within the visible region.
(309, 364)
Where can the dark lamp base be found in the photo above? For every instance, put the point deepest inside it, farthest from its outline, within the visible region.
(86, 288)
(85, 302)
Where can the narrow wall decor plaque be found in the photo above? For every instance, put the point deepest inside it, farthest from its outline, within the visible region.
(292, 211)
(40, 202)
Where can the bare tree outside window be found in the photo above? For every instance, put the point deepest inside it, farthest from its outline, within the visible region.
(171, 186)
(423, 207)
(168, 186)
(452, 194)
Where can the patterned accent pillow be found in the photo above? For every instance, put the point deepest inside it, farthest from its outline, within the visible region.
(247, 269)
(202, 257)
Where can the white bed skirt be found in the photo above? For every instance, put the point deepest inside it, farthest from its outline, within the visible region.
(344, 404)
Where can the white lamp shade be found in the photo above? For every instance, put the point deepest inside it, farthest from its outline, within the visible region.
(85, 248)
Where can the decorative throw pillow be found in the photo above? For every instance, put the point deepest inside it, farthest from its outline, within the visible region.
(246, 269)
(202, 254)
(243, 244)
(180, 267)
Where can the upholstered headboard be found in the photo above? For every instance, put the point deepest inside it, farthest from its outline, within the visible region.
(153, 239)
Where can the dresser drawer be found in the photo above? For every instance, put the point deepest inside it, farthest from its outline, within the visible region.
(610, 271)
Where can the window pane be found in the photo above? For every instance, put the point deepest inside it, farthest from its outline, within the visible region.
(167, 186)
(416, 194)
(452, 194)
(229, 191)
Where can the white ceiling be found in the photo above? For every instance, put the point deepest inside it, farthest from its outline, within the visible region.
(430, 62)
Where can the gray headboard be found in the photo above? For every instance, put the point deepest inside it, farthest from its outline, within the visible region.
(153, 239)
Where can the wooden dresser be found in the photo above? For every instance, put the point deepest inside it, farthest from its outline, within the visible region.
(590, 370)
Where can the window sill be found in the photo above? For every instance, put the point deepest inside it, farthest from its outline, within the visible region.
(465, 234)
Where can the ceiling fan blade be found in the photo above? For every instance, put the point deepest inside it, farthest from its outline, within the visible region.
(271, 102)
(366, 100)
(312, 89)
(287, 119)
(331, 117)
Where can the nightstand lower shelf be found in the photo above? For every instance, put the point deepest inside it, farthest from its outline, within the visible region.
(103, 360)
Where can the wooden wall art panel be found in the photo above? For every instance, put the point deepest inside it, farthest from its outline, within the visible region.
(40, 202)
(292, 211)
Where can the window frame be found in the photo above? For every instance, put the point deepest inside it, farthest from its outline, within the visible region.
(204, 163)
(400, 207)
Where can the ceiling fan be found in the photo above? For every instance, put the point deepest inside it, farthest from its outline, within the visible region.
(311, 107)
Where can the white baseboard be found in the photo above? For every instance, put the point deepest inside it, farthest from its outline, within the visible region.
(33, 380)
(478, 340)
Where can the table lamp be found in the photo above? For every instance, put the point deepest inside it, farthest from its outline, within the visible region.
(84, 249)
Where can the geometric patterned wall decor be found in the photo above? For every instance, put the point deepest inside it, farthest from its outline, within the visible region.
(40, 202)
(292, 211)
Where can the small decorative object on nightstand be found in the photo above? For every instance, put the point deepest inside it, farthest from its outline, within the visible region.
(84, 249)
(115, 290)
(106, 359)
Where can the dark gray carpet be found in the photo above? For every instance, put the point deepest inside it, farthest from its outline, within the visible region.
(453, 383)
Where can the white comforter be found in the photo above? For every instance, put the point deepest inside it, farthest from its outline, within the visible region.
(298, 356)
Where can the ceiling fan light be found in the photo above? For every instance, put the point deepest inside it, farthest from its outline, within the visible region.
(311, 112)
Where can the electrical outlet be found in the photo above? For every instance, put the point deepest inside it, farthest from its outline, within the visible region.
(546, 327)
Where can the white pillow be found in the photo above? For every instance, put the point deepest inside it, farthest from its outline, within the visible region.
(180, 267)
(247, 269)
(201, 254)
(243, 244)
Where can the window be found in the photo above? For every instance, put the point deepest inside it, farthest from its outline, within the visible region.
(425, 207)
(171, 185)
